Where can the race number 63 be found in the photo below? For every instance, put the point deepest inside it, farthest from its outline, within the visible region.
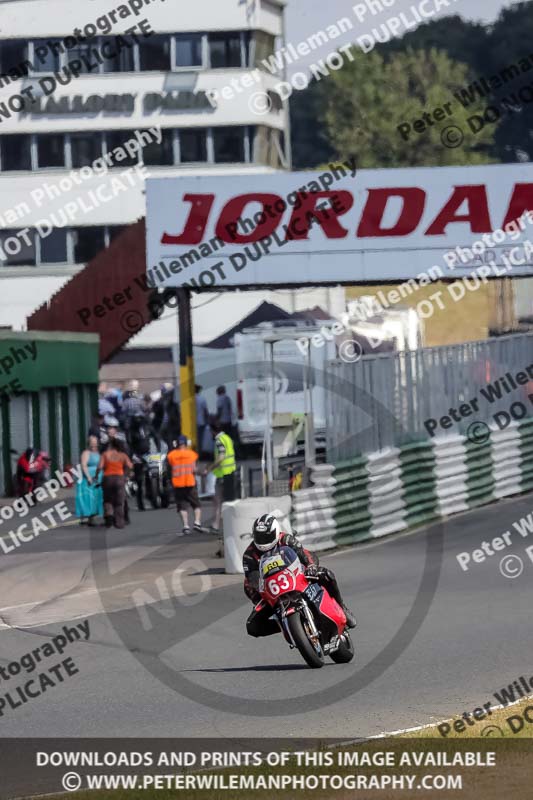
(280, 583)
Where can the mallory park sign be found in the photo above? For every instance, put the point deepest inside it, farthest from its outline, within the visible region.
(50, 105)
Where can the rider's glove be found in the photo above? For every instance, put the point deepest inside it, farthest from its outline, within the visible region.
(311, 571)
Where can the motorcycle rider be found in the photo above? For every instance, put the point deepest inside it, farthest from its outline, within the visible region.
(267, 535)
(139, 436)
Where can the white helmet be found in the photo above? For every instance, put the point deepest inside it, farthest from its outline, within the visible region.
(266, 532)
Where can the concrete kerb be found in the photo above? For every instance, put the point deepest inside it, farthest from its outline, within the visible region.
(165, 612)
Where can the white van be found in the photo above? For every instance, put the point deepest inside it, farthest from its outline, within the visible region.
(273, 355)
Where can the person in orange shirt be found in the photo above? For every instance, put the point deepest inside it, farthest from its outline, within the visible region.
(114, 463)
(182, 462)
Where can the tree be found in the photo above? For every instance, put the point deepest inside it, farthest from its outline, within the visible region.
(310, 141)
(510, 41)
(460, 39)
(370, 98)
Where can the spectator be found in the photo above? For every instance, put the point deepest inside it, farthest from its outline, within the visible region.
(139, 437)
(113, 396)
(158, 408)
(105, 406)
(223, 468)
(224, 415)
(202, 418)
(181, 460)
(132, 404)
(114, 463)
(167, 418)
(111, 431)
(97, 427)
(89, 498)
(146, 403)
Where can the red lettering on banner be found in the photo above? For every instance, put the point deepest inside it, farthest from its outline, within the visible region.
(410, 215)
(194, 230)
(521, 201)
(478, 211)
(307, 213)
(233, 211)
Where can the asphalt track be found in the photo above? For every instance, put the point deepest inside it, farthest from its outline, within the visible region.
(192, 671)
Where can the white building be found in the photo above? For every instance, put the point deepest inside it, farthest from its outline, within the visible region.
(155, 80)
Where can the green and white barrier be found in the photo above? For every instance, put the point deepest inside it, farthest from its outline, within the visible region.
(399, 488)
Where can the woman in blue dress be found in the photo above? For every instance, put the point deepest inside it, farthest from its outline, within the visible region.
(89, 496)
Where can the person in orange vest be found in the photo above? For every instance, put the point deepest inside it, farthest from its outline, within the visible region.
(181, 462)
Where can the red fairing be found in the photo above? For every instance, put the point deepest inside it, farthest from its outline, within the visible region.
(330, 608)
(287, 580)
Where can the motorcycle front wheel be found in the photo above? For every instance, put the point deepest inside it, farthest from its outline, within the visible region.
(152, 491)
(313, 657)
(345, 651)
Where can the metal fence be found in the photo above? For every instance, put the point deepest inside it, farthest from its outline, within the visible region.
(390, 399)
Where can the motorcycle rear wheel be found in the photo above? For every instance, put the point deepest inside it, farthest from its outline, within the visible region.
(345, 651)
(312, 658)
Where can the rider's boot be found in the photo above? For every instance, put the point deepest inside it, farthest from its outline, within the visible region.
(351, 622)
(333, 588)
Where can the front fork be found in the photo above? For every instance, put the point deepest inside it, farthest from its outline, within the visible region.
(298, 609)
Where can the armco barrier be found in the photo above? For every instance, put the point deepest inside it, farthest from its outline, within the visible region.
(399, 488)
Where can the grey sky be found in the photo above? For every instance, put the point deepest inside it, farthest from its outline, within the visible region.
(305, 17)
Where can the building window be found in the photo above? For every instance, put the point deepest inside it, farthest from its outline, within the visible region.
(13, 53)
(155, 53)
(229, 145)
(188, 50)
(155, 154)
(83, 53)
(16, 152)
(50, 150)
(225, 50)
(87, 243)
(193, 145)
(85, 148)
(247, 48)
(123, 61)
(117, 139)
(45, 59)
(54, 247)
(17, 250)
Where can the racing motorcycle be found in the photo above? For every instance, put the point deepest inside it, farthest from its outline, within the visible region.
(309, 618)
(157, 482)
(31, 470)
(150, 476)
